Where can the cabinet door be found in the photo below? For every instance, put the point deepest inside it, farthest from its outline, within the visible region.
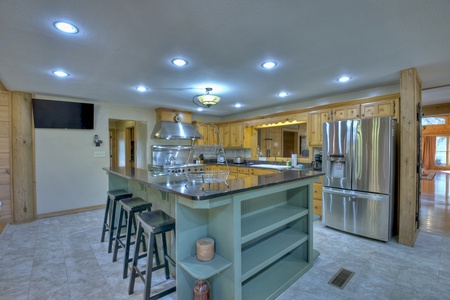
(224, 131)
(257, 171)
(203, 133)
(317, 198)
(346, 112)
(315, 121)
(378, 109)
(242, 172)
(237, 135)
(213, 138)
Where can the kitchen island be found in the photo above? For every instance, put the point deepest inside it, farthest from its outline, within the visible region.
(261, 225)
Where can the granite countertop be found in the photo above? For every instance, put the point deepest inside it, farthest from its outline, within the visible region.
(179, 185)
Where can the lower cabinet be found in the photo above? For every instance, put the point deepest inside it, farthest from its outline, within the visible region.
(317, 198)
(263, 241)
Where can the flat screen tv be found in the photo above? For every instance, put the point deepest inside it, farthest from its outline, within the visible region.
(60, 114)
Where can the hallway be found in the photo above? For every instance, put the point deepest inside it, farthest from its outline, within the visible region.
(435, 209)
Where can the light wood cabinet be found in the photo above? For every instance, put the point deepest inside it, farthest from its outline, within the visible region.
(379, 109)
(208, 133)
(346, 112)
(237, 135)
(258, 171)
(224, 130)
(317, 198)
(232, 135)
(315, 121)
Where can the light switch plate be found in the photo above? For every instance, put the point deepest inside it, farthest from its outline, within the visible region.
(99, 154)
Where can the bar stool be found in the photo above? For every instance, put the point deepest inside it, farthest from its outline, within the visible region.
(150, 224)
(129, 207)
(108, 225)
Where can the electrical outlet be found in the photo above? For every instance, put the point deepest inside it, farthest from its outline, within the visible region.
(99, 154)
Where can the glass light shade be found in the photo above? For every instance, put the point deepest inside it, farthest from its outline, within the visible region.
(208, 100)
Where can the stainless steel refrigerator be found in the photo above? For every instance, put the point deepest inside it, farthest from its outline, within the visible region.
(358, 187)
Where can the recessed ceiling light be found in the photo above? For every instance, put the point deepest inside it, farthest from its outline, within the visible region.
(269, 64)
(238, 105)
(179, 62)
(60, 73)
(344, 79)
(141, 88)
(200, 109)
(282, 94)
(65, 27)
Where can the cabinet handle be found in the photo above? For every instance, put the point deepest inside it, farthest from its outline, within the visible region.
(8, 171)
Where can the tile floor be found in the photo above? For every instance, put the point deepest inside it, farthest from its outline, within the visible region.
(62, 258)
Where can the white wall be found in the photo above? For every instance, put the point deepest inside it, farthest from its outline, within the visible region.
(67, 174)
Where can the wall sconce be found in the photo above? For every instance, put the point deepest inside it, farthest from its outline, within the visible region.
(97, 142)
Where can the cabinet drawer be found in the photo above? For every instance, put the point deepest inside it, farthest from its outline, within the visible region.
(317, 191)
(317, 207)
(243, 170)
(233, 169)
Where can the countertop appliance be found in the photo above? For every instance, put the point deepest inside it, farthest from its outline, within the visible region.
(317, 162)
(239, 160)
(171, 160)
(358, 187)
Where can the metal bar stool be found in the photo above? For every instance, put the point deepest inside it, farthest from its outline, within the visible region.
(150, 224)
(129, 207)
(110, 214)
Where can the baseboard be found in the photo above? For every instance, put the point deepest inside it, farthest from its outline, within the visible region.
(70, 211)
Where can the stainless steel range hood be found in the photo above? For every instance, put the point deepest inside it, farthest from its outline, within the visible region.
(175, 131)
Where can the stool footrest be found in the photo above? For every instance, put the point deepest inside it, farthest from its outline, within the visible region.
(170, 260)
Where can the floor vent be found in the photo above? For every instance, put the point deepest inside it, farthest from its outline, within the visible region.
(341, 278)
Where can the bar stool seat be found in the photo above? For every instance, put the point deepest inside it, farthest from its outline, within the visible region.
(110, 213)
(150, 224)
(129, 207)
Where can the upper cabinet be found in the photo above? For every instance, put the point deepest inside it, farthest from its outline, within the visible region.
(208, 133)
(346, 112)
(224, 130)
(232, 135)
(380, 109)
(315, 121)
(237, 135)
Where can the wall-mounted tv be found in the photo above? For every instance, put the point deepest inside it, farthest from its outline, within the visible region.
(60, 114)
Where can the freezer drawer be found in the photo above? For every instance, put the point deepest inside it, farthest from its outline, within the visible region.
(364, 214)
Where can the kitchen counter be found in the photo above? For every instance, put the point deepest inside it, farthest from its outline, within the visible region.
(178, 184)
(261, 226)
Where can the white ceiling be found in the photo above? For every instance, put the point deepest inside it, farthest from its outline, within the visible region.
(125, 43)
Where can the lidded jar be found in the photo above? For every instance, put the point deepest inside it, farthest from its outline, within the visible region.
(202, 291)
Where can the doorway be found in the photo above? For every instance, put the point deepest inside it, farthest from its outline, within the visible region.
(128, 143)
(290, 143)
(129, 147)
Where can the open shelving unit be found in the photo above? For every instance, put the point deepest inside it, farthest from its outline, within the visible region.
(263, 241)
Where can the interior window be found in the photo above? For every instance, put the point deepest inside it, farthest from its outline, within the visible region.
(433, 121)
(442, 151)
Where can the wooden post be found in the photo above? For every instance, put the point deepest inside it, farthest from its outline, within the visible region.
(5, 157)
(22, 158)
(411, 96)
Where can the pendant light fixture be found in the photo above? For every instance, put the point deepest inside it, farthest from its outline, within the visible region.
(206, 100)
